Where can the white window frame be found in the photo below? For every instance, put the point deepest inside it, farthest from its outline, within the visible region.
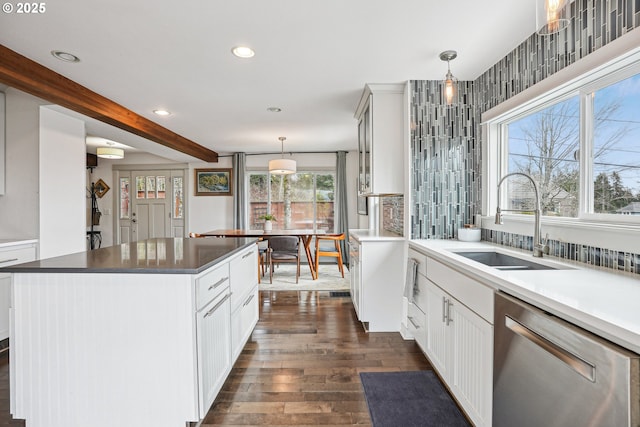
(614, 62)
(313, 170)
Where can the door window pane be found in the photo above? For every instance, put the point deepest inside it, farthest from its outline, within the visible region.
(124, 198)
(140, 187)
(178, 198)
(151, 187)
(544, 145)
(616, 152)
(161, 184)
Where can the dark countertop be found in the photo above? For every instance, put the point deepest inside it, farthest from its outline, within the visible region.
(151, 256)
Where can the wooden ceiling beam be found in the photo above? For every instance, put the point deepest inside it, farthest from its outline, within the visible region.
(28, 76)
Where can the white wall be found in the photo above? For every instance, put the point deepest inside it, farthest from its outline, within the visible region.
(19, 204)
(62, 220)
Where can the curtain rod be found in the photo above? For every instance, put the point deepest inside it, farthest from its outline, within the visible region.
(286, 152)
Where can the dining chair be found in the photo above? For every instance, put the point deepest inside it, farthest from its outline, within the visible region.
(335, 252)
(283, 249)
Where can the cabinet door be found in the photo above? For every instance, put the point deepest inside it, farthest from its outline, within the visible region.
(243, 321)
(5, 303)
(472, 362)
(214, 349)
(354, 271)
(244, 275)
(438, 347)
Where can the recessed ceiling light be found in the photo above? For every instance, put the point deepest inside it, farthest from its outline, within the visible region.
(243, 52)
(274, 109)
(64, 56)
(162, 112)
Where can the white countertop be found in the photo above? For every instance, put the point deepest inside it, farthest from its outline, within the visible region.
(5, 243)
(363, 234)
(600, 300)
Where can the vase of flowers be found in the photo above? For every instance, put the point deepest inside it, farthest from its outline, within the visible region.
(268, 221)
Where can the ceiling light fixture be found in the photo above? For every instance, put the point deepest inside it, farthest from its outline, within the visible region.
(110, 152)
(162, 112)
(282, 166)
(64, 56)
(551, 16)
(449, 80)
(274, 109)
(243, 52)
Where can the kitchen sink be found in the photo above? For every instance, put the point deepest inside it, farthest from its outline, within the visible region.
(502, 261)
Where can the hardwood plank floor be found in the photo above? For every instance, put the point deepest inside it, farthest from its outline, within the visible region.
(300, 367)
(302, 364)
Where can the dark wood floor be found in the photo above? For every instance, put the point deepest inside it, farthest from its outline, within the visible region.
(300, 367)
(302, 364)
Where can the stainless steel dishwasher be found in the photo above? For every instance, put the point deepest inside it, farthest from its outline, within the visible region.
(548, 372)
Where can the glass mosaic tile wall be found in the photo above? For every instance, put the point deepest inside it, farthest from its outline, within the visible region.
(446, 140)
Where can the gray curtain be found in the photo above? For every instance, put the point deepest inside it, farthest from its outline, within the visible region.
(341, 209)
(239, 199)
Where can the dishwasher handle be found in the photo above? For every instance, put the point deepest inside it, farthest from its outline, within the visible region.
(576, 363)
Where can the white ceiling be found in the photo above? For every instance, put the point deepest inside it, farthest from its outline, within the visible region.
(313, 58)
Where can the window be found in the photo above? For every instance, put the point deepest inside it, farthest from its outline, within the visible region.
(300, 200)
(581, 146)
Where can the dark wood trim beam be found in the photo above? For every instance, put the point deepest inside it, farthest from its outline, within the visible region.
(28, 76)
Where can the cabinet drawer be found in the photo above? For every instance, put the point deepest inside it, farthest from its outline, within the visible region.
(417, 324)
(244, 275)
(469, 292)
(17, 256)
(211, 284)
(422, 260)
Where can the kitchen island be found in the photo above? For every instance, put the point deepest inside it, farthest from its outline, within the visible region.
(143, 333)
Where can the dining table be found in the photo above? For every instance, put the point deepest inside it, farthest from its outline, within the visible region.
(305, 235)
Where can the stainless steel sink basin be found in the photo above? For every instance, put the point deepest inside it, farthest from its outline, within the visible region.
(502, 261)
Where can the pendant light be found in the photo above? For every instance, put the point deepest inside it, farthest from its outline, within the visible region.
(110, 152)
(282, 166)
(449, 80)
(551, 16)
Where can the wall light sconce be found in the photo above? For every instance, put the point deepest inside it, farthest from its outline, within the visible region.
(449, 80)
(551, 16)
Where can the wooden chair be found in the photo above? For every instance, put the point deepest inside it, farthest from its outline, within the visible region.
(336, 253)
(283, 249)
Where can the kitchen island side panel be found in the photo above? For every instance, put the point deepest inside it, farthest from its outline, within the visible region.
(103, 349)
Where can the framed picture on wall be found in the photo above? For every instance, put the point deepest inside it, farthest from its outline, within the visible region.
(213, 182)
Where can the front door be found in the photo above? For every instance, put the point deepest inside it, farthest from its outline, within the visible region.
(154, 205)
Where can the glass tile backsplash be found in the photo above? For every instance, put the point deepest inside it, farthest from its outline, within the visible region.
(446, 139)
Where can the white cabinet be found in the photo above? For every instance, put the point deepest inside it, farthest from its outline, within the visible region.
(378, 292)
(11, 254)
(460, 339)
(354, 271)
(214, 349)
(243, 320)
(244, 298)
(380, 114)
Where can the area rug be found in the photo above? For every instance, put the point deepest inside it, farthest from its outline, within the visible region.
(413, 398)
(284, 279)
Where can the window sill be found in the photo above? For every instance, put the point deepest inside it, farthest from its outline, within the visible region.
(620, 236)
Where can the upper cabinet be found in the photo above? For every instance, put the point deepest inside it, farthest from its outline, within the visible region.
(380, 116)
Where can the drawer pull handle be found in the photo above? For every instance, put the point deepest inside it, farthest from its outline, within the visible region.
(8, 260)
(218, 283)
(215, 307)
(415, 325)
(247, 254)
(248, 300)
(444, 309)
